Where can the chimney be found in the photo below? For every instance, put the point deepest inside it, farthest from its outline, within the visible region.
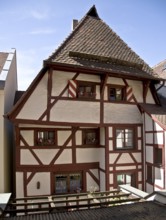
(74, 23)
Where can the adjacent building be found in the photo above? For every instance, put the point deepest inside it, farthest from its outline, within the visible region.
(91, 119)
(8, 87)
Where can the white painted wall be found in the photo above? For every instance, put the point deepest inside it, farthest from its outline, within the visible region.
(120, 113)
(78, 112)
(44, 179)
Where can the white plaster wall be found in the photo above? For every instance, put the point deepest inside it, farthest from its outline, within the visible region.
(65, 157)
(111, 178)
(148, 123)
(27, 158)
(28, 136)
(110, 144)
(139, 131)
(44, 179)
(78, 138)
(37, 102)
(97, 92)
(113, 157)
(79, 112)
(110, 132)
(116, 81)
(157, 127)
(137, 89)
(149, 138)
(62, 137)
(102, 181)
(59, 81)
(139, 176)
(137, 157)
(46, 155)
(126, 168)
(125, 158)
(120, 113)
(149, 188)
(158, 138)
(89, 78)
(149, 154)
(159, 177)
(149, 98)
(91, 184)
(19, 185)
(87, 155)
(102, 136)
(102, 158)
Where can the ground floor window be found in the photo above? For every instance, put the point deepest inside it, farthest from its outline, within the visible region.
(68, 183)
(149, 174)
(126, 178)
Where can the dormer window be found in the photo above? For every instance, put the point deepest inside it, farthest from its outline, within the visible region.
(116, 93)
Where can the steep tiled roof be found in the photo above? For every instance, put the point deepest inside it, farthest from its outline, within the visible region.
(3, 57)
(137, 211)
(93, 44)
(160, 69)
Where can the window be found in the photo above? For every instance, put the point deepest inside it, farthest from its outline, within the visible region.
(86, 90)
(68, 183)
(149, 174)
(45, 137)
(116, 93)
(127, 179)
(158, 156)
(124, 138)
(91, 137)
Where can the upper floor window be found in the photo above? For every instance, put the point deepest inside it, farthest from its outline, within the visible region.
(90, 136)
(45, 137)
(124, 138)
(116, 93)
(86, 90)
(158, 156)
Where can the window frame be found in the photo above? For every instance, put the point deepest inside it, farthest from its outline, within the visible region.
(90, 130)
(131, 174)
(158, 161)
(125, 147)
(68, 181)
(38, 141)
(149, 174)
(86, 95)
(115, 87)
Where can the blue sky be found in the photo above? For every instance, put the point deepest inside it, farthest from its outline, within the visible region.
(37, 27)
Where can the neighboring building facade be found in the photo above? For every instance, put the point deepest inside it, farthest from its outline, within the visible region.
(82, 124)
(8, 87)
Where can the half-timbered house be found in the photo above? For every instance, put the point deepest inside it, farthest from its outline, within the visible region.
(81, 124)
